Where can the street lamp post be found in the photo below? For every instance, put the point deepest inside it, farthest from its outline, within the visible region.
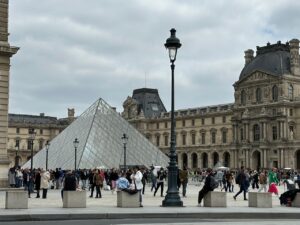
(17, 156)
(172, 198)
(47, 149)
(32, 137)
(125, 139)
(75, 143)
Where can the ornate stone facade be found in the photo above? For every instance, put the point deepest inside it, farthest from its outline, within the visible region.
(261, 129)
(6, 52)
(45, 127)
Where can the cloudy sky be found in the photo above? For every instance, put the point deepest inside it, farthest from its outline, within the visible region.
(73, 52)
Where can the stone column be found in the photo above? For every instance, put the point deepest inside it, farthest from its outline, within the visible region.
(6, 51)
(209, 159)
(265, 159)
(265, 131)
(189, 161)
(179, 156)
(200, 163)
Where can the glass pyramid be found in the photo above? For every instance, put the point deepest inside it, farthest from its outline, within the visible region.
(99, 130)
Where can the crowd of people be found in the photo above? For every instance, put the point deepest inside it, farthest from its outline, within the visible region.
(134, 180)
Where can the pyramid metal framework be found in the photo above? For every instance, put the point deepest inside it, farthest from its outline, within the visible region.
(99, 130)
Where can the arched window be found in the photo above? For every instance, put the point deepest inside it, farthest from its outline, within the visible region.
(258, 95)
(275, 93)
(256, 132)
(290, 92)
(243, 97)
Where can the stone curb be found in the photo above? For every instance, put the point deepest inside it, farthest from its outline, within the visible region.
(92, 216)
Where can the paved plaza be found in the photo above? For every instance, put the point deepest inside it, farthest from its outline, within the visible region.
(105, 208)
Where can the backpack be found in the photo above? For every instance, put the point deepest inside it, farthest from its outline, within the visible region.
(238, 179)
(213, 183)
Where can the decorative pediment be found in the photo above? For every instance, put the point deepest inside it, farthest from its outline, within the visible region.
(257, 76)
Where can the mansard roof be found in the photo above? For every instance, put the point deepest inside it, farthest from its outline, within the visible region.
(272, 59)
(149, 102)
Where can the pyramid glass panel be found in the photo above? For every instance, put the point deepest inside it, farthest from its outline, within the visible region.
(99, 130)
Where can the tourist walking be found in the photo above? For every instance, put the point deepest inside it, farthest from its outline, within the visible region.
(137, 177)
(262, 181)
(92, 182)
(273, 181)
(241, 180)
(219, 177)
(183, 177)
(37, 181)
(98, 180)
(45, 177)
(161, 175)
(12, 177)
(153, 174)
(255, 180)
(113, 177)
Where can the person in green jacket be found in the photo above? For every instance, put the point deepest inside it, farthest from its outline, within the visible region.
(273, 177)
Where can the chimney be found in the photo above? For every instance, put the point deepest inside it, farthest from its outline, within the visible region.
(294, 50)
(4, 22)
(42, 114)
(71, 113)
(248, 56)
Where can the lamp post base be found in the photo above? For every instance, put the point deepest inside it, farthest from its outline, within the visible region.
(172, 200)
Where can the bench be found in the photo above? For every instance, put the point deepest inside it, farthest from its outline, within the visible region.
(296, 201)
(126, 200)
(16, 199)
(74, 199)
(215, 199)
(260, 199)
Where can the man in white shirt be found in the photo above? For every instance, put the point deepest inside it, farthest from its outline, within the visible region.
(137, 180)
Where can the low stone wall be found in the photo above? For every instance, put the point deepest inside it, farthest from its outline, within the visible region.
(16, 199)
(296, 202)
(215, 199)
(126, 200)
(74, 199)
(260, 199)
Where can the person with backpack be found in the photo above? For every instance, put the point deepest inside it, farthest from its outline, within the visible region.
(209, 185)
(241, 179)
(161, 176)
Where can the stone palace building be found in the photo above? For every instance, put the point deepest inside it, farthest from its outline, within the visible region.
(261, 129)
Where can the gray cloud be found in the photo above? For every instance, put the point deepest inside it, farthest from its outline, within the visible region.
(74, 51)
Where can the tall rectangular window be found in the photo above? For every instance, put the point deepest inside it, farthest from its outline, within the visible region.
(203, 138)
(213, 120)
(41, 131)
(166, 124)
(41, 142)
(274, 132)
(17, 130)
(242, 134)
(291, 112)
(224, 119)
(157, 140)
(193, 139)
(213, 137)
(202, 121)
(183, 123)
(28, 144)
(157, 125)
(193, 122)
(224, 136)
(17, 143)
(166, 140)
(183, 139)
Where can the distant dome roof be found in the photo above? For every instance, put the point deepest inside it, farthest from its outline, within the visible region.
(273, 59)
